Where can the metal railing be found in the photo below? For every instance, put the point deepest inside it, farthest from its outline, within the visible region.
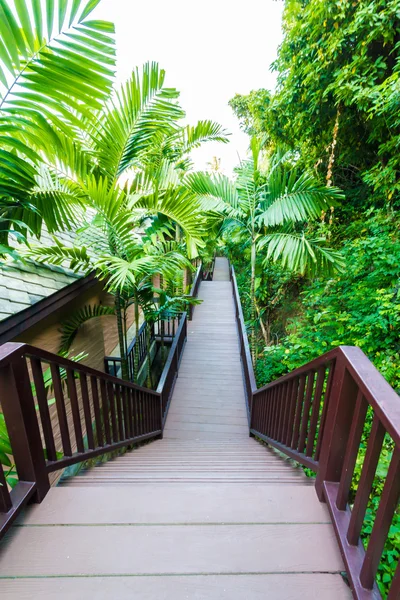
(163, 329)
(316, 415)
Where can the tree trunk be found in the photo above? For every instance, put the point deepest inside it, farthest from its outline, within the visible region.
(253, 301)
(136, 348)
(263, 329)
(121, 337)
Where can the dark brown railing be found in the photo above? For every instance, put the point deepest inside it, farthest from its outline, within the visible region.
(92, 413)
(170, 371)
(112, 364)
(316, 415)
(162, 329)
(194, 290)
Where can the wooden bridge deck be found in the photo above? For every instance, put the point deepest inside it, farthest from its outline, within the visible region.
(207, 512)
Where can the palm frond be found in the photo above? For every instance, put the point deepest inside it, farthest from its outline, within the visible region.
(295, 197)
(203, 131)
(48, 62)
(141, 110)
(56, 68)
(120, 274)
(216, 193)
(180, 205)
(70, 327)
(77, 259)
(308, 256)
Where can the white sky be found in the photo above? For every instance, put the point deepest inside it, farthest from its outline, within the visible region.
(210, 50)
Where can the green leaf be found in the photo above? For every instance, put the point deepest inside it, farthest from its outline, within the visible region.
(50, 9)
(90, 6)
(23, 14)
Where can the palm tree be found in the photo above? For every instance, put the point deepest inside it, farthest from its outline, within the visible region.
(56, 68)
(270, 209)
(109, 244)
(125, 164)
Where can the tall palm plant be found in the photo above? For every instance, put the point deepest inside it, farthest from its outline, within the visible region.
(125, 167)
(108, 243)
(56, 68)
(270, 209)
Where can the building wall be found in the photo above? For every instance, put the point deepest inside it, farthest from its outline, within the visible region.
(89, 339)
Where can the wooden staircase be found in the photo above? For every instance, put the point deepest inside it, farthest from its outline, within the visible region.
(208, 512)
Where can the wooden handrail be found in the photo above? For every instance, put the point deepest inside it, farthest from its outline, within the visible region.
(316, 415)
(198, 278)
(105, 414)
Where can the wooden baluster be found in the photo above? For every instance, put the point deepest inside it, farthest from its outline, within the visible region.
(278, 408)
(86, 410)
(76, 417)
(353, 445)
(126, 412)
(133, 401)
(153, 414)
(316, 405)
(22, 424)
(292, 411)
(144, 413)
(255, 425)
(61, 412)
(119, 413)
(106, 411)
(148, 411)
(111, 404)
(278, 405)
(5, 498)
(262, 410)
(368, 470)
(299, 410)
(140, 412)
(97, 413)
(270, 414)
(151, 423)
(282, 410)
(285, 422)
(394, 591)
(337, 429)
(41, 399)
(270, 422)
(327, 395)
(306, 412)
(387, 506)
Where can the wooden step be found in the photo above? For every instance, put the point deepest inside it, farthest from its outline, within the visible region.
(308, 586)
(88, 550)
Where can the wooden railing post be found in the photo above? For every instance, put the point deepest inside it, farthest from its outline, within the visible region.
(341, 404)
(162, 415)
(22, 425)
(5, 498)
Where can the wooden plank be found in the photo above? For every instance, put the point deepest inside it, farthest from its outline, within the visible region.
(223, 427)
(193, 504)
(82, 550)
(197, 587)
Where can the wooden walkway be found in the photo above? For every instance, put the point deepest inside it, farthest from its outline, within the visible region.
(205, 513)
